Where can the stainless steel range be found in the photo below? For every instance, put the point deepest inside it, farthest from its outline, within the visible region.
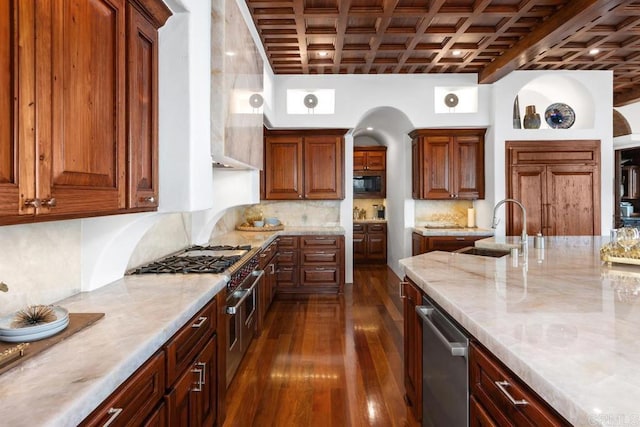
(240, 264)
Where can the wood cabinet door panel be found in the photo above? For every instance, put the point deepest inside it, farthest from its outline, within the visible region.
(412, 347)
(437, 168)
(528, 185)
(359, 160)
(417, 175)
(573, 195)
(82, 157)
(418, 244)
(283, 172)
(12, 102)
(376, 160)
(377, 247)
(469, 167)
(142, 120)
(478, 417)
(323, 167)
(450, 243)
(376, 228)
(287, 277)
(287, 257)
(287, 242)
(359, 246)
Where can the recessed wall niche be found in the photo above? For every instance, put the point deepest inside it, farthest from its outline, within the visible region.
(544, 91)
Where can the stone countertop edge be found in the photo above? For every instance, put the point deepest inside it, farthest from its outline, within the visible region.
(368, 221)
(590, 376)
(461, 231)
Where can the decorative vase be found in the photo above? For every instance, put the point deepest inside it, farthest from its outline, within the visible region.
(531, 118)
(516, 114)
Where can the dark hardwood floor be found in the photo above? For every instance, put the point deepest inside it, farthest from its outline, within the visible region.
(327, 360)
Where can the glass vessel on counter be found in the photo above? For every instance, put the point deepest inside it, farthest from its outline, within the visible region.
(627, 237)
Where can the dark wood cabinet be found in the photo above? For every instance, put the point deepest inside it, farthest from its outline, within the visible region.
(193, 399)
(558, 185)
(630, 179)
(411, 297)
(421, 244)
(135, 401)
(310, 264)
(370, 158)
(369, 243)
(88, 72)
(142, 107)
(304, 165)
(448, 163)
(498, 396)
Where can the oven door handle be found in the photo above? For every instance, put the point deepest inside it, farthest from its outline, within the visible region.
(246, 292)
(455, 348)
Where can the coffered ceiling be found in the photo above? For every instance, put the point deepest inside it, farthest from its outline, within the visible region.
(488, 37)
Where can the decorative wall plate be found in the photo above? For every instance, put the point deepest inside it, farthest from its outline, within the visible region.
(559, 116)
(451, 100)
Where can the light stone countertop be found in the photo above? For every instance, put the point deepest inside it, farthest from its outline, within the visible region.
(565, 323)
(456, 231)
(65, 383)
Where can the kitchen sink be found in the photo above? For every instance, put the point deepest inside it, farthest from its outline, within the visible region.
(473, 250)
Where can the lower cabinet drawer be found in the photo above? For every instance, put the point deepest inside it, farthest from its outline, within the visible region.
(189, 340)
(133, 403)
(329, 256)
(503, 396)
(320, 276)
(287, 257)
(320, 241)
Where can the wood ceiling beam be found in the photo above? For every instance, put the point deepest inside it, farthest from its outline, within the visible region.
(626, 98)
(560, 25)
(298, 8)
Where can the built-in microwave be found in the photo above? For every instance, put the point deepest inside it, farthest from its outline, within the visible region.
(369, 185)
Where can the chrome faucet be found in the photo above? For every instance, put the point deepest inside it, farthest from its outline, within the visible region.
(495, 220)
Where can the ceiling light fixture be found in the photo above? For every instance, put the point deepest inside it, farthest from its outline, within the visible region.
(323, 53)
(230, 53)
(369, 128)
(594, 51)
(456, 53)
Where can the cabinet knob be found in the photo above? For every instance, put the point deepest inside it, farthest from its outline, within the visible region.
(148, 199)
(50, 202)
(32, 203)
(299, 196)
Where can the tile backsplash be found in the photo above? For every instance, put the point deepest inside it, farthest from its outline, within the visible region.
(303, 213)
(442, 211)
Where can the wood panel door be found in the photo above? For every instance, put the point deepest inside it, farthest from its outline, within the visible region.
(573, 201)
(323, 167)
(359, 247)
(377, 247)
(283, 175)
(416, 169)
(81, 100)
(142, 124)
(412, 347)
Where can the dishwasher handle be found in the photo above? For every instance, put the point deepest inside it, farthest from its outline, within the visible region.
(456, 348)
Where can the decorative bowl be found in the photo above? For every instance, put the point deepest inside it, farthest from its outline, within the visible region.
(258, 223)
(559, 116)
(272, 221)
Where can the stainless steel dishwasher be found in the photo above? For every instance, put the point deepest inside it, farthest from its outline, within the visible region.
(445, 373)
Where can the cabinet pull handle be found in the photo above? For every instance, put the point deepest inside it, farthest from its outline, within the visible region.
(200, 322)
(263, 255)
(402, 285)
(198, 386)
(459, 238)
(114, 412)
(502, 386)
(203, 367)
(273, 268)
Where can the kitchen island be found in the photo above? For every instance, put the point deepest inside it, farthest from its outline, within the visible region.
(559, 318)
(65, 383)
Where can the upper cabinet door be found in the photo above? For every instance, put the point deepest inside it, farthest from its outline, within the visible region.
(359, 160)
(142, 120)
(324, 167)
(469, 167)
(283, 168)
(81, 157)
(438, 161)
(376, 160)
